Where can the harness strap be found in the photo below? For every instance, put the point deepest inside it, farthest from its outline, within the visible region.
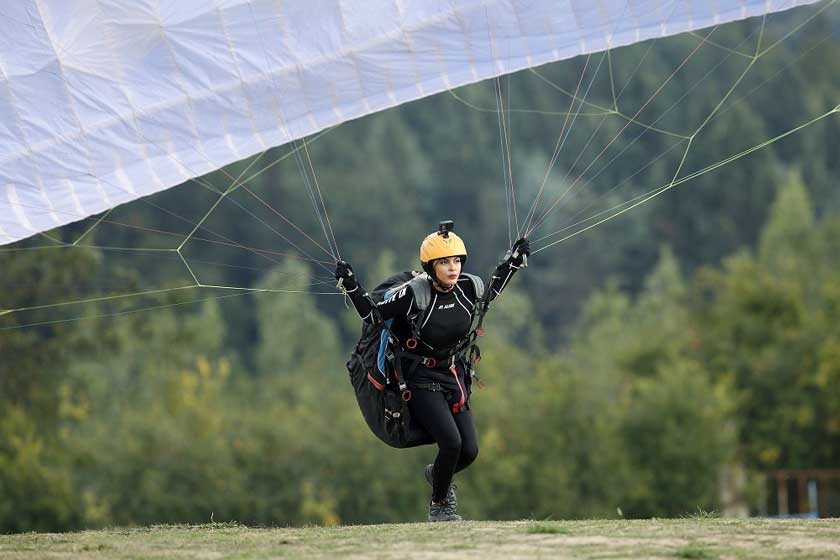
(457, 355)
(465, 351)
(405, 393)
(435, 387)
(416, 360)
(422, 297)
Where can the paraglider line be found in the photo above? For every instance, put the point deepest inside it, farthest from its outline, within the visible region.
(504, 175)
(507, 171)
(234, 184)
(607, 111)
(721, 47)
(50, 237)
(113, 297)
(289, 154)
(796, 29)
(612, 80)
(202, 226)
(642, 108)
(558, 145)
(100, 299)
(668, 110)
(591, 137)
(659, 190)
(321, 198)
(775, 75)
(91, 228)
(255, 250)
(243, 292)
(218, 201)
(660, 117)
(475, 107)
(186, 264)
(271, 228)
(506, 127)
(614, 188)
(117, 314)
(278, 290)
(318, 211)
(715, 114)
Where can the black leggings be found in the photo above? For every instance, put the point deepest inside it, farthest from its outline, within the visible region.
(454, 433)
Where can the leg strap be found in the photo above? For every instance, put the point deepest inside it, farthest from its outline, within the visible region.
(427, 386)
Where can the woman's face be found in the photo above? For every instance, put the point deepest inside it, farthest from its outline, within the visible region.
(447, 271)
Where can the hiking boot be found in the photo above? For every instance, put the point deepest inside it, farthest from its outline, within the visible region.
(450, 493)
(443, 511)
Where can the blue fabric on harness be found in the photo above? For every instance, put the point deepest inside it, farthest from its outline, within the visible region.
(383, 345)
(383, 341)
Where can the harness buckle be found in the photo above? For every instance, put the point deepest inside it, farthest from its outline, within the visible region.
(429, 362)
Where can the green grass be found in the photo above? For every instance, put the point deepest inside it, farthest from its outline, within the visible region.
(703, 514)
(697, 537)
(547, 529)
(693, 551)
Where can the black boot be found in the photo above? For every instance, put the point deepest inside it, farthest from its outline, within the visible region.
(450, 493)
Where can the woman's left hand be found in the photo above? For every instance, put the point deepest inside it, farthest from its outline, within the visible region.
(344, 274)
(520, 251)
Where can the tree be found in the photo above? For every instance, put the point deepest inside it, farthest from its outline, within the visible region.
(768, 324)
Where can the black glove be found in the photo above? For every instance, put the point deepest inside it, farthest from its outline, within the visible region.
(520, 251)
(344, 274)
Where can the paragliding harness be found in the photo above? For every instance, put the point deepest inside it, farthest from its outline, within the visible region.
(376, 364)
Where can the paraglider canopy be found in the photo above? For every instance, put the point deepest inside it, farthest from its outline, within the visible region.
(102, 103)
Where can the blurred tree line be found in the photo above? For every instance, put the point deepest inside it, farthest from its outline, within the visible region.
(625, 368)
(147, 418)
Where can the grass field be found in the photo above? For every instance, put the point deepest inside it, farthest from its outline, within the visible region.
(672, 538)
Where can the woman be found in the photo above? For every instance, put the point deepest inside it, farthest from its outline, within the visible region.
(433, 351)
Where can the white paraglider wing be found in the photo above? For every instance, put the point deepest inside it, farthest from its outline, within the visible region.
(106, 101)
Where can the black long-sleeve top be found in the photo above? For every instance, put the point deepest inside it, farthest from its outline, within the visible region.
(449, 316)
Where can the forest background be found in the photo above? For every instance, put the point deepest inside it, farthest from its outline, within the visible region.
(629, 369)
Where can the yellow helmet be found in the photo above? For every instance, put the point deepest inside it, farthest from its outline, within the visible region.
(441, 244)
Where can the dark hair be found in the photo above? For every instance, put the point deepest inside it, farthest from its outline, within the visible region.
(429, 267)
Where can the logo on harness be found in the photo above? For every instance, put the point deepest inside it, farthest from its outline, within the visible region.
(389, 297)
